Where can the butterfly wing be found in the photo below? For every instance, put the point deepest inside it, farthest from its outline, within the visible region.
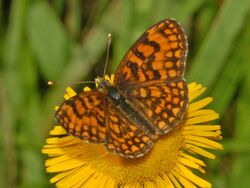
(155, 65)
(83, 116)
(163, 103)
(159, 54)
(150, 75)
(124, 137)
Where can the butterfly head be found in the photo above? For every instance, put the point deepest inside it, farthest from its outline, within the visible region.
(102, 84)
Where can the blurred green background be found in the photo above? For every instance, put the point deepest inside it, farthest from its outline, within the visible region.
(65, 40)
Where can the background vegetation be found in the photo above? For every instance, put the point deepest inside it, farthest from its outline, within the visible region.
(65, 40)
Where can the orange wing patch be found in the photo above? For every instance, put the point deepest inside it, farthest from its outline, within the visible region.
(163, 103)
(83, 116)
(125, 138)
(159, 54)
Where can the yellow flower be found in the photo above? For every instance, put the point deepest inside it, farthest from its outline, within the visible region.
(170, 163)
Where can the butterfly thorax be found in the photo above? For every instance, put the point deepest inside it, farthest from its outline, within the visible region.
(108, 89)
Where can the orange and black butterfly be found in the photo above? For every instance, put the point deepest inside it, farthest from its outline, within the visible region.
(147, 98)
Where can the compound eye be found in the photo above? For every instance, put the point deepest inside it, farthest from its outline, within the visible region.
(101, 85)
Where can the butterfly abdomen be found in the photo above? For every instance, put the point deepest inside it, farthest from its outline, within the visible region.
(116, 98)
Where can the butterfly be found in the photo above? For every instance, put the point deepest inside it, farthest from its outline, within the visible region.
(146, 99)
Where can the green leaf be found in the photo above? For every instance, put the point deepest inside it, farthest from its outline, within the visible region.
(217, 45)
(180, 10)
(11, 91)
(48, 39)
(227, 81)
(240, 172)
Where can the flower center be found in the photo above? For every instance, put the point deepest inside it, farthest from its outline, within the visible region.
(157, 162)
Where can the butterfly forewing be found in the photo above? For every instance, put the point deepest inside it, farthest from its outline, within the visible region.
(84, 116)
(159, 54)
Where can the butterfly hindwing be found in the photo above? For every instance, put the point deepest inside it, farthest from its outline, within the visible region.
(83, 116)
(163, 103)
(124, 137)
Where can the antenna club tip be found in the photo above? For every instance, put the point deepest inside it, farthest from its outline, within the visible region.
(51, 83)
(109, 38)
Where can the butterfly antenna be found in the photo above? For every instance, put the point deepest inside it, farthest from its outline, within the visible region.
(51, 83)
(107, 56)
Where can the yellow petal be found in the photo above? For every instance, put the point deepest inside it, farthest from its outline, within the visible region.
(60, 176)
(192, 177)
(190, 163)
(205, 141)
(86, 89)
(195, 90)
(198, 161)
(199, 104)
(167, 181)
(202, 127)
(202, 119)
(69, 93)
(58, 130)
(200, 151)
(174, 181)
(185, 182)
(112, 78)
